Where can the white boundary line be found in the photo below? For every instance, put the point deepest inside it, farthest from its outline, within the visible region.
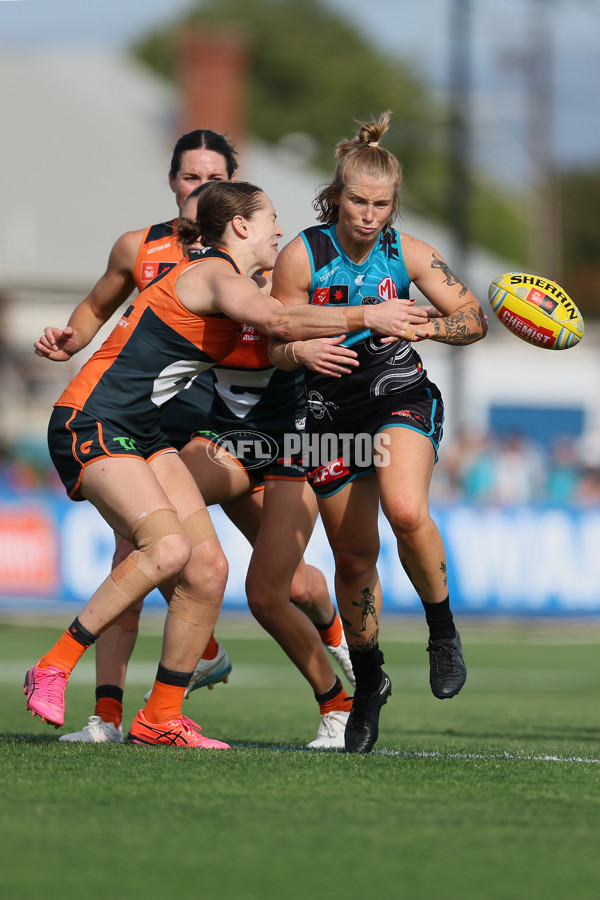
(429, 754)
(435, 754)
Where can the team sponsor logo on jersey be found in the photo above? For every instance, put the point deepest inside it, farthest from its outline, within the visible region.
(330, 472)
(127, 443)
(251, 334)
(156, 249)
(320, 296)
(149, 271)
(409, 414)
(387, 289)
(338, 293)
(152, 270)
(329, 273)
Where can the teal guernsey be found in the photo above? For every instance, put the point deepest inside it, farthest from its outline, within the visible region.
(337, 280)
(389, 388)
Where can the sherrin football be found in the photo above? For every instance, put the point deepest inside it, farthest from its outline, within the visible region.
(536, 310)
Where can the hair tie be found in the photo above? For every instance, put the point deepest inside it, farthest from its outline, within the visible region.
(373, 143)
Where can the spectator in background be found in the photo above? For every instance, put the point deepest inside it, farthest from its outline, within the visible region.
(564, 472)
(520, 471)
(470, 462)
(588, 488)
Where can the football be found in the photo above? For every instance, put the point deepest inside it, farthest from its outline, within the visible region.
(536, 310)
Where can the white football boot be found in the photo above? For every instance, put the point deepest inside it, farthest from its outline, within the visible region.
(330, 735)
(97, 731)
(342, 656)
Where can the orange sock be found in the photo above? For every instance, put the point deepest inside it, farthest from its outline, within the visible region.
(164, 702)
(340, 701)
(333, 633)
(109, 710)
(65, 654)
(212, 648)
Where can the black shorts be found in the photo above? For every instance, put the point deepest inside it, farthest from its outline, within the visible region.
(75, 440)
(336, 459)
(263, 456)
(188, 411)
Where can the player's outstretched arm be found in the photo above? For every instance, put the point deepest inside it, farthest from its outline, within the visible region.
(461, 319)
(107, 295)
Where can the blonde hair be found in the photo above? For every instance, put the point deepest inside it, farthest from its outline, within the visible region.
(358, 157)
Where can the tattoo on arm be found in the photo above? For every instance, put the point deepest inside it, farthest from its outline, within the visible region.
(463, 327)
(449, 276)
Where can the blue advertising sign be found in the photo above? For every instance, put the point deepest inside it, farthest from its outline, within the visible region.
(519, 561)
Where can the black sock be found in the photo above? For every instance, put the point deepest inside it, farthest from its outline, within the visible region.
(367, 668)
(168, 676)
(331, 693)
(81, 634)
(439, 619)
(109, 690)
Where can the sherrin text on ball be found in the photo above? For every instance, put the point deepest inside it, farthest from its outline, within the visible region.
(536, 310)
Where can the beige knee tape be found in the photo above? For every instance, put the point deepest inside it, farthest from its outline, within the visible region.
(130, 578)
(192, 610)
(154, 526)
(199, 527)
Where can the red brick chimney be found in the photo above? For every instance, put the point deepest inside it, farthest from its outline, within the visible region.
(211, 73)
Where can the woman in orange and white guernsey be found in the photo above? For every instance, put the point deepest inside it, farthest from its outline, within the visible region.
(106, 443)
(138, 257)
(385, 405)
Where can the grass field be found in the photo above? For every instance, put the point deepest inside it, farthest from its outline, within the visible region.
(494, 795)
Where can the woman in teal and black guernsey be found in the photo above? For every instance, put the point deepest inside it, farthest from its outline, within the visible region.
(374, 419)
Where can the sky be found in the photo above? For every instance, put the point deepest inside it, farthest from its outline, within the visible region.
(504, 37)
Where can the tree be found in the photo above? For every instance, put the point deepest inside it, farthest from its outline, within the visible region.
(313, 72)
(580, 192)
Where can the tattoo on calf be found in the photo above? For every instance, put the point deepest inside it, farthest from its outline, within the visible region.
(368, 645)
(444, 572)
(368, 610)
(367, 606)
